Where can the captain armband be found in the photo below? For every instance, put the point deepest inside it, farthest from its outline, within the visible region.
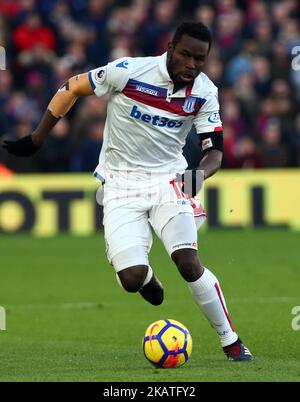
(212, 140)
(68, 93)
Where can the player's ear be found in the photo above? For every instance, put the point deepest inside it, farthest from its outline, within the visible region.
(170, 47)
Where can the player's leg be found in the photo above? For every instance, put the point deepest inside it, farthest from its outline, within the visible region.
(152, 289)
(128, 239)
(134, 274)
(128, 236)
(180, 239)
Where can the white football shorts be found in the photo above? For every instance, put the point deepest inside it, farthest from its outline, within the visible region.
(136, 201)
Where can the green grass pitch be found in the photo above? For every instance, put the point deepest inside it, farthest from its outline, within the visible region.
(68, 319)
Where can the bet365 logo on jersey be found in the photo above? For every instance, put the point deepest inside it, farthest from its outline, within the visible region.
(155, 120)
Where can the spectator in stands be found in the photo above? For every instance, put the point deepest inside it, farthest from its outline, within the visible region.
(87, 159)
(246, 154)
(274, 152)
(57, 153)
(33, 33)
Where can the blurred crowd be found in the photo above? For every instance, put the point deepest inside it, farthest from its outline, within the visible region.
(254, 62)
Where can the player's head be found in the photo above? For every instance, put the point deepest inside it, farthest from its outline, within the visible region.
(188, 51)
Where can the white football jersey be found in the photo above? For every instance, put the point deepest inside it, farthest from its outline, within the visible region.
(147, 125)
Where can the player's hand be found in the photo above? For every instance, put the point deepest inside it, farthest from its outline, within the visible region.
(22, 147)
(192, 181)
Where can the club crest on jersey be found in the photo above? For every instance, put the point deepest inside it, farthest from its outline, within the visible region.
(189, 104)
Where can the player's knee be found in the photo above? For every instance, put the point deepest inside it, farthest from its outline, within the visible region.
(132, 278)
(188, 264)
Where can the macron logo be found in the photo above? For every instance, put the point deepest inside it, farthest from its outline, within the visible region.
(123, 64)
(158, 121)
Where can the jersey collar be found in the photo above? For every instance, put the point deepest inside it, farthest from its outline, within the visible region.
(162, 63)
(189, 90)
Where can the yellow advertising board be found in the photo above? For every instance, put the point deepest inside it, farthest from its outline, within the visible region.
(257, 198)
(48, 204)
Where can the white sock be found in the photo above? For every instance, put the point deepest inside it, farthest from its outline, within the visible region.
(209, 297)
(148, 276)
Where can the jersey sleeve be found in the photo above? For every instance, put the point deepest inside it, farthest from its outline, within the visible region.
(208, 118)
(110, 78)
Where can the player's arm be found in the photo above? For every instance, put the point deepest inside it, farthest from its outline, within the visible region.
(208, 125)
(99, 81)
(61, 103)
(212, 146)
(211, 162)
(58, 107)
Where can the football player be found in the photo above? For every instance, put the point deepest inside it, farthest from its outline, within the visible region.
(153, 103)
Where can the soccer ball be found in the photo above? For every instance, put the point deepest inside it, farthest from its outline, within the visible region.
(167, 344)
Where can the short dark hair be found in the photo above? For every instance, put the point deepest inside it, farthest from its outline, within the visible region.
(194, 29)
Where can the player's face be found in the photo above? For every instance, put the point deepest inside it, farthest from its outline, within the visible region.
(186, 60)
